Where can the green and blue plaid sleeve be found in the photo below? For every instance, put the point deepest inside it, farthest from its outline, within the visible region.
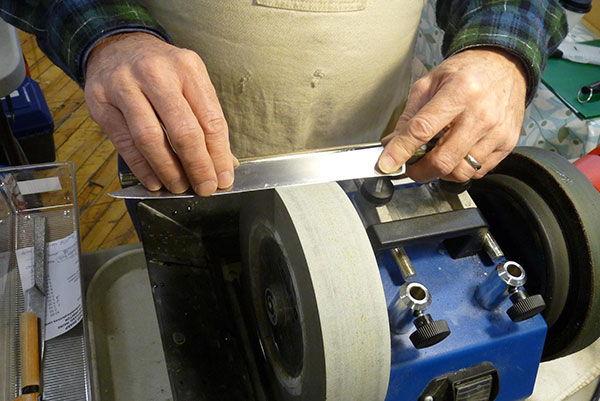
(66, 30)
(530, 29)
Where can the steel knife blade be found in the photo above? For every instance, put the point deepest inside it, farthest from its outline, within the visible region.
(288, 170)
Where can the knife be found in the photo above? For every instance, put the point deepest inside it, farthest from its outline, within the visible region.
(32, 322)
(293, 169)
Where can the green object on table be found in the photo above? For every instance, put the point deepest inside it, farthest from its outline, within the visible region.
(565, 78)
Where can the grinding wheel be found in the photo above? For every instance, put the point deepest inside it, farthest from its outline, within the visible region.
(314, 290)
(576, 205)
(529, 234)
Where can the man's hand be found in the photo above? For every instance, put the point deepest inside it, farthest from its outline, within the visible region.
(131, 79)
(478, 96)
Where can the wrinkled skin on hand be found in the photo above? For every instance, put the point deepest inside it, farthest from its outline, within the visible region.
(478, 95)
(130, 79)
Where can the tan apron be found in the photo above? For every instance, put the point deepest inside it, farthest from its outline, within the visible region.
(300, 74)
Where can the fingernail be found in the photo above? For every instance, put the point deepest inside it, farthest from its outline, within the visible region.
(387, 164)
(225, 179)
(153, 184)
(179, 185)
(388, 138)
(206, 188)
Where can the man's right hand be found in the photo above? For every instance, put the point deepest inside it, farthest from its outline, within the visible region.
(133, 77)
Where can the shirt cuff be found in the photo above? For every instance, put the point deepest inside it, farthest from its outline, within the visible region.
(519, 34)
(88, 50)
(77, 26)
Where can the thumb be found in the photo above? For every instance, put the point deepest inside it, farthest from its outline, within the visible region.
(413, 130)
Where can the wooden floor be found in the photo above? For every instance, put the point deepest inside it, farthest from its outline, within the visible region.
(104, 221)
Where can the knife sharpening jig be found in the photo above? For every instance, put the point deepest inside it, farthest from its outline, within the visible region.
(377, 289)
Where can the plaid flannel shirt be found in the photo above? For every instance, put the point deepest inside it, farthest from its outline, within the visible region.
(530, 29)
(67, 30)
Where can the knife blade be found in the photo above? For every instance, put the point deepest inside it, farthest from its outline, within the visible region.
(287, 170)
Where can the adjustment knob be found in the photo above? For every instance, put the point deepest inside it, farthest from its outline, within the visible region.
(525, 306)
(378, 191)
(429, 332)
(454, 187)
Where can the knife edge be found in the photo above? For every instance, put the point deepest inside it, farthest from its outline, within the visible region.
(293, 169)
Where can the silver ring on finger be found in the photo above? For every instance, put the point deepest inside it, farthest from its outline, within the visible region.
(473, 162)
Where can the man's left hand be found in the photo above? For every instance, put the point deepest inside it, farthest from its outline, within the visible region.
(478, 96)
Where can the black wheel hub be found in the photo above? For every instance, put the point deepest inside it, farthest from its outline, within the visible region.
(279, 325)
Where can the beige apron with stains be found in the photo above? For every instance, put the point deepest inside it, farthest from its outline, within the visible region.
(300, 74)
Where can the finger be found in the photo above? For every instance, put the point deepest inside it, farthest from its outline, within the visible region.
(491, 162)
(420, 93)
(187, 137)
(112, 122)
(435, 115)
(464, 171)
(497, 145)
(150, 139)
(200, 94)
(449, 152)
(487, 158)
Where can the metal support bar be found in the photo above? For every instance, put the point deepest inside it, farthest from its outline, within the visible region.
(492, 248)
(467, 224)
(404, 264)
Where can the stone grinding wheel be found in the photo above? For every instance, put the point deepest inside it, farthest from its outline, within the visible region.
(529, 232)
(316, 296)
(576, 206)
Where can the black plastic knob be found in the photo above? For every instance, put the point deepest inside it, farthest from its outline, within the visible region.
(454, 187)
(378, 191)
(429, 332)
(525, 306)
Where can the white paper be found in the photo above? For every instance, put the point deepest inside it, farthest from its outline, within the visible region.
(39, 185)
(64, 308)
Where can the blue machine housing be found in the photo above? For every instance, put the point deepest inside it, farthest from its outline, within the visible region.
(478, 335)
(32, 116)
(32, 125)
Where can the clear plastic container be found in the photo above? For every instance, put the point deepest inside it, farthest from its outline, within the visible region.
(38, 190)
